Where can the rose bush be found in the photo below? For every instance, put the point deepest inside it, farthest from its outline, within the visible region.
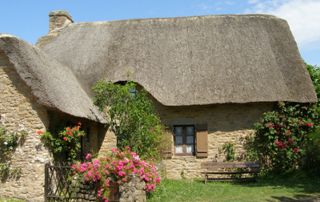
(114, 170)
(281, 135)
(66, 145)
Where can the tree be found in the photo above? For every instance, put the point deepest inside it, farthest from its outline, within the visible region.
(132, 117)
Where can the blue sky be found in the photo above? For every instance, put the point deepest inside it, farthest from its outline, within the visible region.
(28, 19)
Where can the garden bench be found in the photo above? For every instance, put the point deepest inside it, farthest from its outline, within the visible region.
(242, 171)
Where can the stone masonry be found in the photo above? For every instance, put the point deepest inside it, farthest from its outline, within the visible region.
(19, 111)
(226, 123)
(133, 191)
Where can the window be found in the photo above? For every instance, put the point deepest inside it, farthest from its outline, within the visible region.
(184, 140)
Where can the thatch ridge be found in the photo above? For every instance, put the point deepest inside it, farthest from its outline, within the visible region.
(190, 60)
(52, 83)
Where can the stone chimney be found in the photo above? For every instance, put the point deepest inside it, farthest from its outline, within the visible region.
(59, 19)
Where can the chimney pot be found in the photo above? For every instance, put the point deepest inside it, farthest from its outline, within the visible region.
(59, 19)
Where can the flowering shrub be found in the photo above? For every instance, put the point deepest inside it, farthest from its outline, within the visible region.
(115, 170)
(66, 145)
(281, 135)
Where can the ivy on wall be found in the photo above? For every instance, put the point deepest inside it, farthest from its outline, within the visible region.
(9, 141)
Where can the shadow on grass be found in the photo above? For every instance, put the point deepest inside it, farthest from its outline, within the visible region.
(299, 181)
(307, 185)
(296, 198)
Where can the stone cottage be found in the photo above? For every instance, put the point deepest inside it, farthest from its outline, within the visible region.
(210, 77)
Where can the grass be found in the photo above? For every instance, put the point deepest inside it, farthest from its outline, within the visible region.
(9, 200)
(291, 188)
(287, 188)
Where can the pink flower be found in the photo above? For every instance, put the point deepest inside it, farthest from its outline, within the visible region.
(158, 179)
(141, 171)
(114, 150)
(96, 163)
(89, 174)
(83, 167)
(150, 187)
(88, 157)
(65, 139)
(121, 173)
(126, 160)
(107, 182)
(99, 192)
(145, 178)
(119, 167)
(136, 158)
(120, 163)
(116, 167)
(133, 154)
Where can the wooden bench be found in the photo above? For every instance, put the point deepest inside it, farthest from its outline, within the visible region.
(242, 171)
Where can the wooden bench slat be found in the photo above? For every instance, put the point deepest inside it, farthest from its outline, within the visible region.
(230, 172)
(232, 179)
(214, 168)
(230, 165)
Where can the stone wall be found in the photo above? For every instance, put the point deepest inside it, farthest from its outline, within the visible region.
(19, 111)
(109, 141)
(133, 191)
(226, 123)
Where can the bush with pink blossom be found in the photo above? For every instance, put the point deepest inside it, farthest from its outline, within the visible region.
(114, 170)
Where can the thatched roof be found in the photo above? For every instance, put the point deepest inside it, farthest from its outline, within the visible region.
(190, 60)
(52, 83)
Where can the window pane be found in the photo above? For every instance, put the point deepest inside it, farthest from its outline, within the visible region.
(190, 130)
(189, 149)
(179, 140)
(178, 130)
(189, 139)
(179, 149)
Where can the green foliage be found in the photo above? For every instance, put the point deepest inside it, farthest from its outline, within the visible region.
(229, 151)
(66, 145)
(132, 117)
(8, 144)
(281, 135)
(312, 158)
(251, 152)
(314, 72)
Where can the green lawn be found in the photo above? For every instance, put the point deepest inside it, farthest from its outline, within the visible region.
(292, 189)
(9, 200)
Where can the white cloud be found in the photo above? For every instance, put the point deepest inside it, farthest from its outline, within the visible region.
(303, 17)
